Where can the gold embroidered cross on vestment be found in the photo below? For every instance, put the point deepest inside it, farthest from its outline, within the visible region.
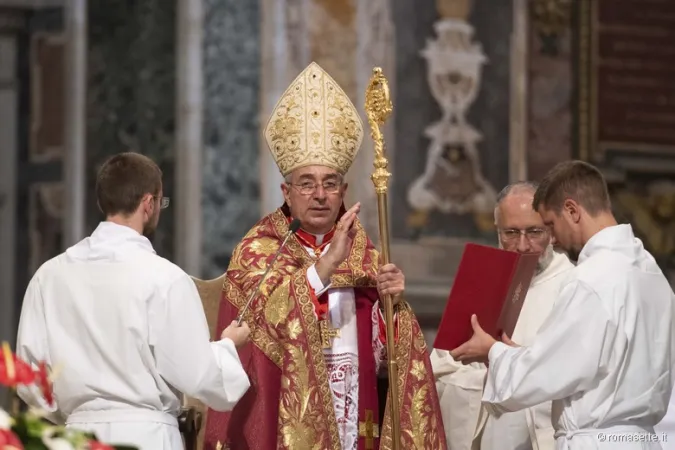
(369, 430)
(327, 333)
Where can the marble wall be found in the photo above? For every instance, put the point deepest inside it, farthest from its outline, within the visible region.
(231, 191)
(131, 106)
(131, 93)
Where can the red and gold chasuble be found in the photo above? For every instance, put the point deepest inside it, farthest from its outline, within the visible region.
(290, 404)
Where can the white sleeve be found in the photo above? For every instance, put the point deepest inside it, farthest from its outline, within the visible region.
(32, 346)
(315, 281)
(208, 371)
(460, 388)
(569, 353)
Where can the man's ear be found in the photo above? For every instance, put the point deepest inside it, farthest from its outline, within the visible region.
(148, 204)
(572, 209)
(286, 192)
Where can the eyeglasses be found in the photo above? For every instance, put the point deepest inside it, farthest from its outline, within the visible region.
(532, 234)
(163, 202)
(309, 187)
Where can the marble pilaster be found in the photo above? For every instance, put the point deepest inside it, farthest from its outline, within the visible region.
(550, 100)
(376, 48)
(518, 157)
(8, 198)
(230, 181)
(332, 37)
(285, 52)
(189, 136)
(131, 93)
(75, 121)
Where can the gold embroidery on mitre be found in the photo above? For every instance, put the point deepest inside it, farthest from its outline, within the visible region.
(314, 123)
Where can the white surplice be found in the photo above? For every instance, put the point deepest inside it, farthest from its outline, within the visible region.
(342, 358)
(125, 332)
(460, 387)
(604, 355)
(666, 428)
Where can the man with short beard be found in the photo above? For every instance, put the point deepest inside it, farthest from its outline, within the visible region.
(460, 387)
(124, 328)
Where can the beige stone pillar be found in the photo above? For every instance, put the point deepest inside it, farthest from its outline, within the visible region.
(519, 98)
(75, 160)
(285, 52)
(189, 123)
(376, 48)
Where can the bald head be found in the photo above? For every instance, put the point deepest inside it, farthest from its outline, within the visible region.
(521, 228)
(512, 195)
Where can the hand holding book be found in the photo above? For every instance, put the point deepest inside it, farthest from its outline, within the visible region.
(485, 301)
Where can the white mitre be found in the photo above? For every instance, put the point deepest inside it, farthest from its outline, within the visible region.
(314, 123)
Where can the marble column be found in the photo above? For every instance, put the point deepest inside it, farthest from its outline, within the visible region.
(189, 117)
(230, 180)
(75, 122)
(519, 84)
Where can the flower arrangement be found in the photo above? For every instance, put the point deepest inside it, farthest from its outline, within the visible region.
(30, 430)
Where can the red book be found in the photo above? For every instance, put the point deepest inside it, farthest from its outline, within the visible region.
(491, 283)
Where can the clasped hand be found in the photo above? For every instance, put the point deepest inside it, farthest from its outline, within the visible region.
(390, 281)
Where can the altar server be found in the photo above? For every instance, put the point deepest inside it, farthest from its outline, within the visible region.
(124, 329)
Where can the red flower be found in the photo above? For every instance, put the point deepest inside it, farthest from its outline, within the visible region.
(44, 383)
(9, 441)
(13, 371)
(95, 445)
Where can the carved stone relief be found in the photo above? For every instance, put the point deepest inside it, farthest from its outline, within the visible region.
(453, 182)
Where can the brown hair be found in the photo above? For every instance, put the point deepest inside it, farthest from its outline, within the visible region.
(124, 180)
(576, 180)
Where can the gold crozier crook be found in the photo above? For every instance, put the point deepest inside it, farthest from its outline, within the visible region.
(378, 109)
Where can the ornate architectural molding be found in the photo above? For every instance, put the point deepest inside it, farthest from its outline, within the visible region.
(452, 182)
(551, 17)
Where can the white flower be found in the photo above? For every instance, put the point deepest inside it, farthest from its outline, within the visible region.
(58, 444)
(6, 420)
(55, 443)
